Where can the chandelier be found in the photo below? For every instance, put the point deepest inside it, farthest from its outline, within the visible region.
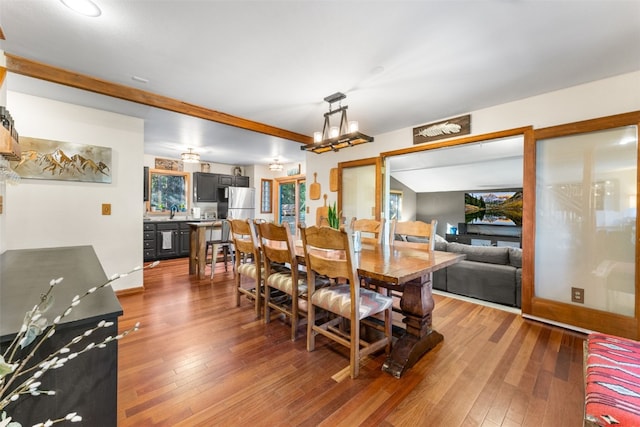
(275, 166)
(333, 138)
(190, 157)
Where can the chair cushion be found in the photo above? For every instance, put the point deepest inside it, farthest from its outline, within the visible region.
(283, 282)
(248, 269)
(337, 299)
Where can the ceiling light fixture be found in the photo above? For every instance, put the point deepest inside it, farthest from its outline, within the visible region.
(333, 138)
(83, 7)
(275, 166)
(190, 157)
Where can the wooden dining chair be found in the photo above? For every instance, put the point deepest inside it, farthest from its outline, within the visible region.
(278, 250)
(417, 234)
(372, 230)
(247, 262)
(329, 253)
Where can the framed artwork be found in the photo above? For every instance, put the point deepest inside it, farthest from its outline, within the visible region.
(456, 126)
(168, 164)
(65, 161)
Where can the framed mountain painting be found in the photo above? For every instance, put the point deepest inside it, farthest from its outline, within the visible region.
(66, 161)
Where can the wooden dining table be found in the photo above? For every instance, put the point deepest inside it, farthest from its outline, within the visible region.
(197, 247)
(407, 269)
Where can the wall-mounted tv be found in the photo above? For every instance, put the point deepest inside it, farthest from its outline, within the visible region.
(502, 207)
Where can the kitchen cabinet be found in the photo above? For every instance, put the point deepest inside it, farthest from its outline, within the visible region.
(167, 240)
(158, 245)
(183, 239)
(205, 187)
(241, 181)
(149, 242)
(209, 187)
(145, 187)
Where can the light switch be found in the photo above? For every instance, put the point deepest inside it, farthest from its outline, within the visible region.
(106, 209)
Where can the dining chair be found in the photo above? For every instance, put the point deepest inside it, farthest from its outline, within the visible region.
(372, 229)
(247, 262)
(278, 250)
(222, 242)
(329, 253)
(416, 234)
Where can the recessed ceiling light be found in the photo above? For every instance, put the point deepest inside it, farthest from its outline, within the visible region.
(83, 7)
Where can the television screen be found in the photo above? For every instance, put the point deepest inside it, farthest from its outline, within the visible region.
(493, 208)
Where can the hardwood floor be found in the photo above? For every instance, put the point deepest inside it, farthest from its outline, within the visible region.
(198, 360)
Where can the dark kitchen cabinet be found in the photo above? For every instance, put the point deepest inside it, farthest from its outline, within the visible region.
(210, 187)
(205, 187)
(149, 242)
(183, 239)
(241, 181)
(145, 190)
(156, 243)
(225, 181)
(167, 240)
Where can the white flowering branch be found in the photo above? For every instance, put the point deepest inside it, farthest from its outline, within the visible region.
(34, 325)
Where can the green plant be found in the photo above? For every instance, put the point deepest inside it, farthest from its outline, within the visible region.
(20, 378)
(334, 218)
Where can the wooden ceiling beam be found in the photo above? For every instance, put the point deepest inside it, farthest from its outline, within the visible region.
(38, 70)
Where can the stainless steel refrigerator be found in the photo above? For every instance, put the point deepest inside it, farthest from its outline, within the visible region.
(241, 204)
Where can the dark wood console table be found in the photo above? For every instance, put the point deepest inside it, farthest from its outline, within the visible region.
(88, 384)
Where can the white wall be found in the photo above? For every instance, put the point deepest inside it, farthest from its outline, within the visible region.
(615, 95)
(46, 213)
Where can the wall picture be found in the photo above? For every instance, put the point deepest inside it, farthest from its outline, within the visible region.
(66, 161)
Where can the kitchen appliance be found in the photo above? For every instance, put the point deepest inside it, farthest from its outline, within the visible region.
(240, 205)
(195, 213)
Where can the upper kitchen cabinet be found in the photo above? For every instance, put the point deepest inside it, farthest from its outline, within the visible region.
(207, 186)
(240, 181)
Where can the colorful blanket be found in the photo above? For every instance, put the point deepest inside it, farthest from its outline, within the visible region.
(612, 381)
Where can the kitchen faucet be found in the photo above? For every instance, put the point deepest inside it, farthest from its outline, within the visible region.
(174, 209)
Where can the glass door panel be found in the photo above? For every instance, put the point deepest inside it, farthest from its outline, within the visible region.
(359, 192)
(291, 203)
(585, 234)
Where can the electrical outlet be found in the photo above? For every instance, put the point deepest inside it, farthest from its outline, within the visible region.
(577, 295)
(106, 209)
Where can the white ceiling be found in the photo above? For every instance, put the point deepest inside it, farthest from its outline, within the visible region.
(401, 63)
(491, 165)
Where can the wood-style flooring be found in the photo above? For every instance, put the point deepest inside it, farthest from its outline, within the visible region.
(198, 360)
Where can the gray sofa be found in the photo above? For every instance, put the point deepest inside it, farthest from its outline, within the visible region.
(488, 273)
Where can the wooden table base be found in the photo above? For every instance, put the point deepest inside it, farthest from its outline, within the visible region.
(417, 304)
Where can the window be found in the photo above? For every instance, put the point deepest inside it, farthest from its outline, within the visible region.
(266, 190)
(395, 205)
(168, 189)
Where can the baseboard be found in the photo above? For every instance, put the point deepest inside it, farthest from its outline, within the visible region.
(130, 291)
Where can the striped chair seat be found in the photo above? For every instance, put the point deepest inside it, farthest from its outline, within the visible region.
(248, 269)
(283, 282)
(337, 299)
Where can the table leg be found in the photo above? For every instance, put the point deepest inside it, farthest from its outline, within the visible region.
(417, 306)
(193, 250)
(202, 256)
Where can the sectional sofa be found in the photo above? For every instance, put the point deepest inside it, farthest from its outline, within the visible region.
(488, 273)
